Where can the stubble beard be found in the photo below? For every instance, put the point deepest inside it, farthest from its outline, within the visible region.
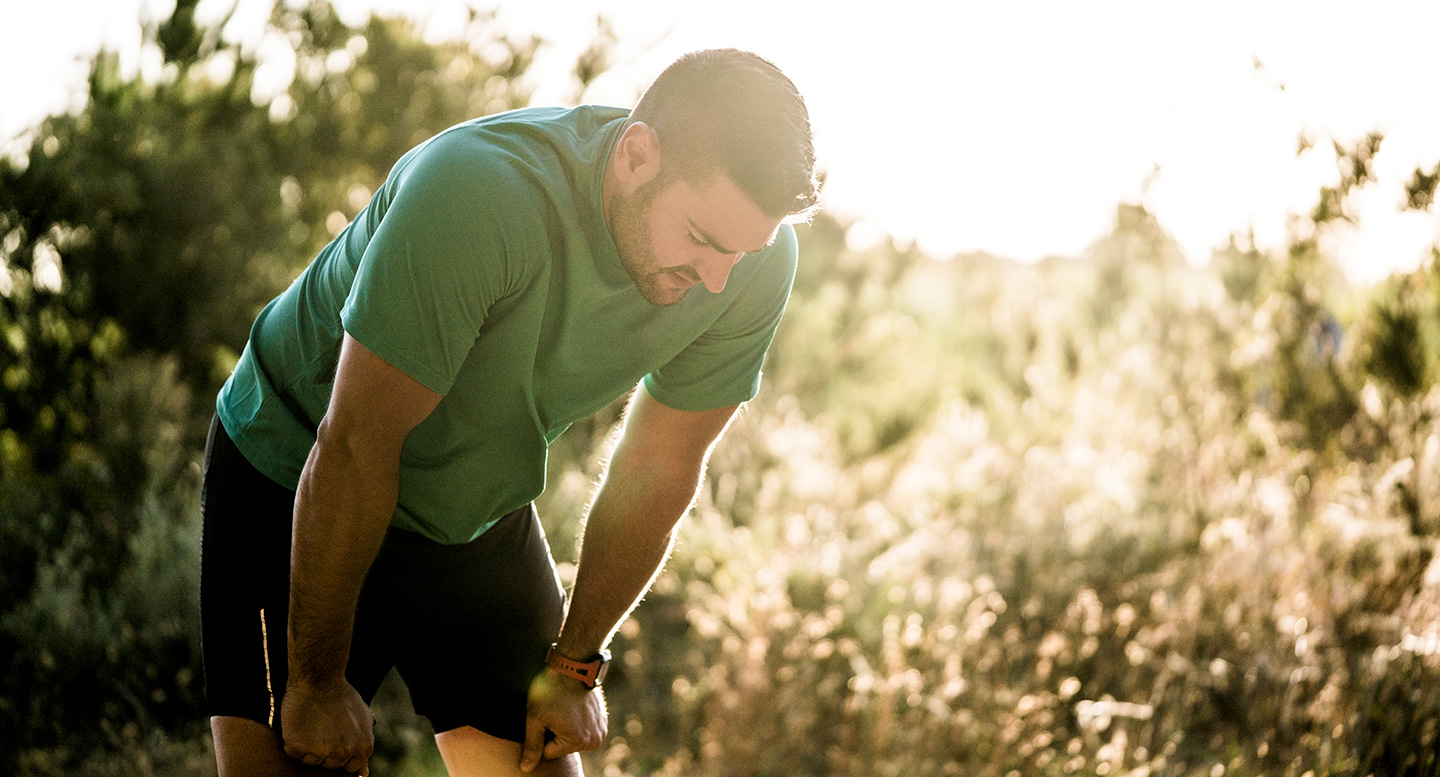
(630, 227)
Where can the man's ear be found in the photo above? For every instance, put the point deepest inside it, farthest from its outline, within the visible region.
(637, 155)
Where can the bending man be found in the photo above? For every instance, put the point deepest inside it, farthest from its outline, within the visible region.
(369, 477)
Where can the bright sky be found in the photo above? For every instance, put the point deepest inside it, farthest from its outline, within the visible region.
(1012, 127)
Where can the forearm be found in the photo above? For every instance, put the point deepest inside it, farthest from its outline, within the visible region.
(627, 538)
(342, 510)
(648, 486)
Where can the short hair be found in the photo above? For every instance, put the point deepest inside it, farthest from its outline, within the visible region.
(733, 111)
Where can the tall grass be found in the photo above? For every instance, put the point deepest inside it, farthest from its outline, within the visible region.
(989, 519)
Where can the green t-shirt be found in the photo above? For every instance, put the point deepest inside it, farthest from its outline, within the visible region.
(484, 269)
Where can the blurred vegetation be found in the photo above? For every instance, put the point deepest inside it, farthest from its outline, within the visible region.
(1103, 515)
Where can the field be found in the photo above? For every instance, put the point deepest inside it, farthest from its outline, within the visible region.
(1110, 514)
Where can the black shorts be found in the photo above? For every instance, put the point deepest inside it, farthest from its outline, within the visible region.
(467, 626)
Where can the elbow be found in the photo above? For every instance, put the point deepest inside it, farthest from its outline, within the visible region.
(673, 499)
(658, 497)
(356, 447)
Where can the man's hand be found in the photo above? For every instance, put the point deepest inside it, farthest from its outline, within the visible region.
(328, 727)
(566, 708)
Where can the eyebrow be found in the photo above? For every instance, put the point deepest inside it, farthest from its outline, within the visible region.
(715, 244)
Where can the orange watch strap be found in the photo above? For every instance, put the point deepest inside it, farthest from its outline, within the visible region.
(588, 672)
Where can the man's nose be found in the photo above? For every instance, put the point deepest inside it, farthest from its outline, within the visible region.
(714, 270)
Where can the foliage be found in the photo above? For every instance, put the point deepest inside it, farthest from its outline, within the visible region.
(140, 237)
(1103, 515)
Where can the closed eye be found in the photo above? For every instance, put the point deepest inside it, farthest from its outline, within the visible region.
(700, 237)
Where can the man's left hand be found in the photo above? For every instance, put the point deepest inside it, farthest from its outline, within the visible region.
(566, 708)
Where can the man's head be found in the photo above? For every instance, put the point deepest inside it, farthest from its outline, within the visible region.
(731, 111)
(715, 157)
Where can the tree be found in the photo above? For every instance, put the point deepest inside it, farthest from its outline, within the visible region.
(140, 237)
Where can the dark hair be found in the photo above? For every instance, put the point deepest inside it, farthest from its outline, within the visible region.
(732, 111)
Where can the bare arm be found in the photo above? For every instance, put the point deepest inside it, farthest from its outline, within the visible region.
(347, 495)
(648, 485)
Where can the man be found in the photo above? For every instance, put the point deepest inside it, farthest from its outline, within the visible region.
(369, 477)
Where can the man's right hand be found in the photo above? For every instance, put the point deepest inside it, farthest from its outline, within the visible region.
(330, 727)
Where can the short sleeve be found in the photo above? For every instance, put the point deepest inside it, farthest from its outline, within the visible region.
(435, 262)
(722, 366)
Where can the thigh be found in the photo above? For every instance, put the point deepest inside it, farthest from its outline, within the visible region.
(245, 591)
(246, 748)
(469, 752)
(470, 624)
(244, 584)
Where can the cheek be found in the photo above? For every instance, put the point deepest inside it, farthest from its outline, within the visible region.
(669, 250)
(638, 237)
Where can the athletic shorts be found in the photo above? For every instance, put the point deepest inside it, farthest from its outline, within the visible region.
(467, 626)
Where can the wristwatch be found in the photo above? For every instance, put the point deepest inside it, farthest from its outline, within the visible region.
(591, 672)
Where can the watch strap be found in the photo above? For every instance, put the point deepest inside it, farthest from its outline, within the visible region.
(591, 672)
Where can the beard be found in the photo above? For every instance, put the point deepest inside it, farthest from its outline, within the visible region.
(630, 227)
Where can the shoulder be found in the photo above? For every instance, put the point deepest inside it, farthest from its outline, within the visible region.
(525, 137)
(460, 161)
(514, 160)
(561, 125)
